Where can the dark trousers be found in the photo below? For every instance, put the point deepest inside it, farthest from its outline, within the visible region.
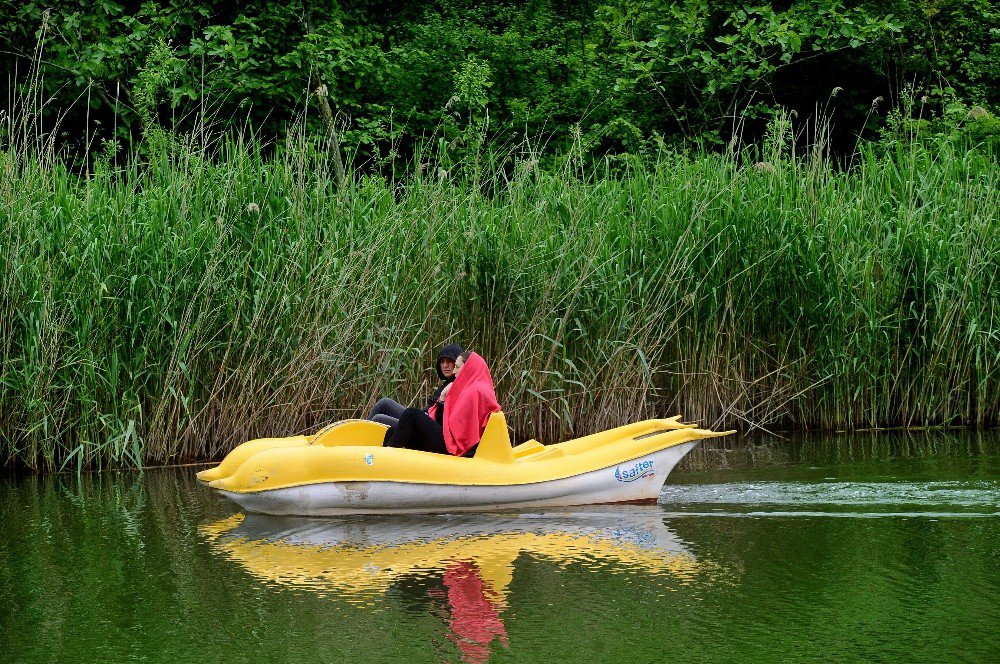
(416, 431)
(386, 411)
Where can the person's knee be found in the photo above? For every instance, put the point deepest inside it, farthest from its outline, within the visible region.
(383, 403)
(382, 407)
(411, 415)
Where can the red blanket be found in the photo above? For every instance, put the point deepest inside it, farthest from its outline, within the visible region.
(469, 403)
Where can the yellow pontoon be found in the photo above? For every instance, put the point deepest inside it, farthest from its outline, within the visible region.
(344, 469)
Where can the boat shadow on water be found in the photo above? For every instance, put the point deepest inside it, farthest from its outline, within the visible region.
(464, 563)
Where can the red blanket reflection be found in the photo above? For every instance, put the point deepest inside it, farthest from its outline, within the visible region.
(474, 612)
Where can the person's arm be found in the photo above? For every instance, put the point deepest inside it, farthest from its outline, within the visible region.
(434, 399)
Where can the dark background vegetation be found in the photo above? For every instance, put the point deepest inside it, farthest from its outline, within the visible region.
(616, 77)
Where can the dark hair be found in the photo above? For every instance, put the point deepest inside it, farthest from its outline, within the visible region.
(466, 355)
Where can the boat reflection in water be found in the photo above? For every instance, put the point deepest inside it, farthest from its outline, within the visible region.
(471, 556)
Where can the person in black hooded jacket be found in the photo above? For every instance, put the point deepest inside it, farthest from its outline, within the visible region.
(387, 411)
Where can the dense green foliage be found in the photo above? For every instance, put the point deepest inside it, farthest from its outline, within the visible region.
(556, 184)
(171, 307)
(615, 77)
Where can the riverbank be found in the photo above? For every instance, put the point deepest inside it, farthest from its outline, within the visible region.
(763, 452)
(169, 307)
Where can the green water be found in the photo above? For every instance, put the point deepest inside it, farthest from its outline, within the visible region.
(847, 549)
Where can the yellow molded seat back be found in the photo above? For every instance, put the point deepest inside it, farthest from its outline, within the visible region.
(495, 443)
(352, 432)
(527, 448)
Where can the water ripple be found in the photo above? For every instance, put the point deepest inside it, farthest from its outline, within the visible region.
(956, 495)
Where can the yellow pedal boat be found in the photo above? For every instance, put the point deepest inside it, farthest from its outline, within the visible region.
(343, 469)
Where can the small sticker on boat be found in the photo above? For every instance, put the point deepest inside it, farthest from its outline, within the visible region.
(636, 471)
(369, 459)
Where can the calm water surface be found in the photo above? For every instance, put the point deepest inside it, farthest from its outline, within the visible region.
(877, 548)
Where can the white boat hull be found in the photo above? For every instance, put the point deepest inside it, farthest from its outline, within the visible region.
(640, 479)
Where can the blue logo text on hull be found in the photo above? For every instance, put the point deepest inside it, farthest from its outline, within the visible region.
(636, 472)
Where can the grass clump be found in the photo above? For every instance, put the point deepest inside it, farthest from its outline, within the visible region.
(175, 304)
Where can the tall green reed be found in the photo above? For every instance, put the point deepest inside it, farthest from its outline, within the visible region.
(169, 305)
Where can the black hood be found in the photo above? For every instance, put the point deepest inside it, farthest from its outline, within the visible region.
(451, 351)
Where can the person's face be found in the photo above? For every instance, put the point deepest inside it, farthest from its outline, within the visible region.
(459, 363)
(448, 367)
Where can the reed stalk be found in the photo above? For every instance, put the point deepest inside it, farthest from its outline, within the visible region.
(171, 304)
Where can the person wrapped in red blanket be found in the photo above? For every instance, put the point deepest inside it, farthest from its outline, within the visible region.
(469, 401)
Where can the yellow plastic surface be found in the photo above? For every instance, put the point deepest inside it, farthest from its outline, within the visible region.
(352, 432)
(528, 447)
(237, 457)
(495, 444)
(273, 466)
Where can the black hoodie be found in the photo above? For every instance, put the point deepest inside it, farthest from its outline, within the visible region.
(451, 351)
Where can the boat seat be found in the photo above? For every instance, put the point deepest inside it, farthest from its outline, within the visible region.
(495, 444)
(528, 448)
(549, 452)
(351, 432)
